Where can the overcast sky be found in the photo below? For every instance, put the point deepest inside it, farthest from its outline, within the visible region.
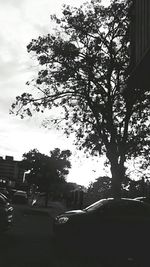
(22, 20)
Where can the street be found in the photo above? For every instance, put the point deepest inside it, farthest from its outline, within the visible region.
(29, 242)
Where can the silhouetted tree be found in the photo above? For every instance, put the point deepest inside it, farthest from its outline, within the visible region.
(138, 188)
(48, 172)
(83, 69)
(101, 188)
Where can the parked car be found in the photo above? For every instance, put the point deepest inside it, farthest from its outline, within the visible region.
(107, 227)
(143, 199)
(20, 197)
(11, 192)
(6, 213)
(4, 191)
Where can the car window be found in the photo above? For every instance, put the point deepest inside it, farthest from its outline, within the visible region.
(97, 205)
(125, 208)
(120, 208)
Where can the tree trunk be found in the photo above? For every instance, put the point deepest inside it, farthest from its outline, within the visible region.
(118, 172)
(117, 169)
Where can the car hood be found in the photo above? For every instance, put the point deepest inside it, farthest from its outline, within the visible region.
(74, 212)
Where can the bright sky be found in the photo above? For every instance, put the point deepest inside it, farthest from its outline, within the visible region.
(22, 20)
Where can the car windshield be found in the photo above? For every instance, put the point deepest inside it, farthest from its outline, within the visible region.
(96, 205)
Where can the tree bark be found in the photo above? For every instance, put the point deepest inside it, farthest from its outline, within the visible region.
(116, 182)
(118, 173)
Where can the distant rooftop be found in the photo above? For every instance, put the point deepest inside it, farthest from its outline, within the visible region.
(7, 158)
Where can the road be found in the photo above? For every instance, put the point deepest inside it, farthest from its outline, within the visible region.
(29, 242)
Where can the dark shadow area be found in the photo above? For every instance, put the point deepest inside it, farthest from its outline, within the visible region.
(107, 233)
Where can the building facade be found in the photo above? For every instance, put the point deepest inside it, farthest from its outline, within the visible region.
(10, 170)
(140, 45)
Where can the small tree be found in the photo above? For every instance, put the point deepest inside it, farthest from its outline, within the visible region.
(101, 188)
(48, 172)
(83, 68)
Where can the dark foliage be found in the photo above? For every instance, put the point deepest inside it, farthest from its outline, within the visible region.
(83, 70)
(47, 172)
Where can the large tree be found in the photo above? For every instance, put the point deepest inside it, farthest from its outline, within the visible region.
(83, 69)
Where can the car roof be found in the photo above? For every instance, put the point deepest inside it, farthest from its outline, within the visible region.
(19, 192)
(108, 200)
(141, 198)
(104, 202)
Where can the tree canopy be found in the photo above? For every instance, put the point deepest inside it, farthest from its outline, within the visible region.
(46, 171)
(101, 188)
(83, 69)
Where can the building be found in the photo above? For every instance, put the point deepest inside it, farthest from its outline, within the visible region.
(140, 45)
(11, 171)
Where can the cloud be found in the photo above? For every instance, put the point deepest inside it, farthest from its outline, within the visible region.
(21, 21)
(14, 3)
(22, 135)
